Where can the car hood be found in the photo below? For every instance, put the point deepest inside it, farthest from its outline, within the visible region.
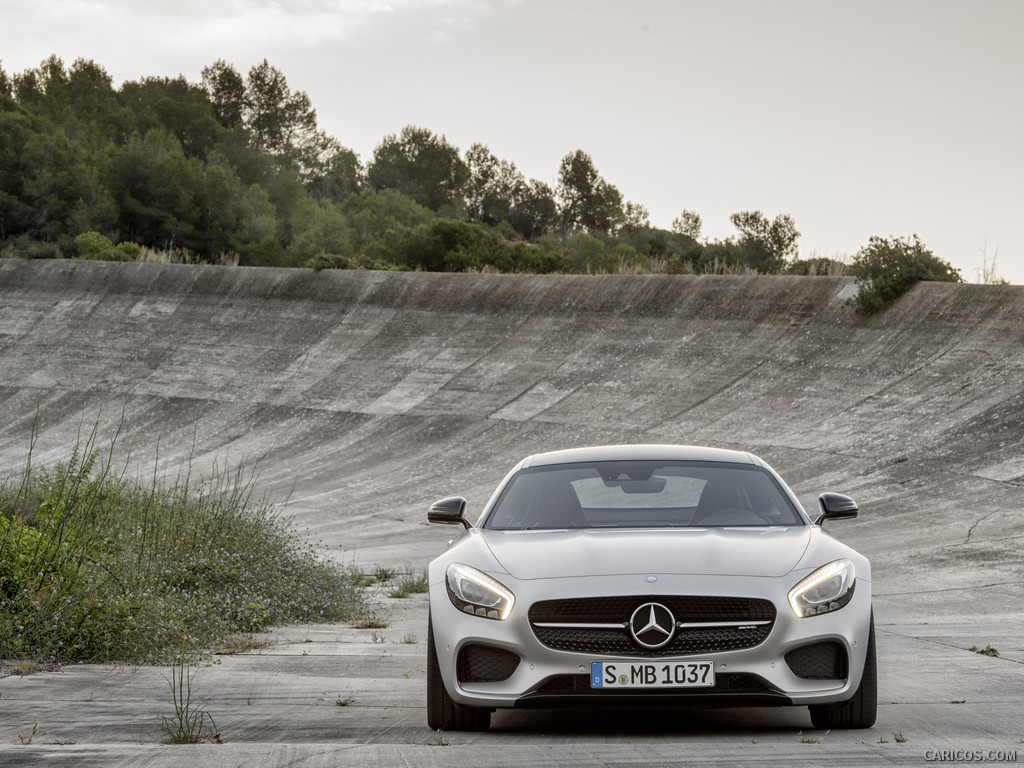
(720, 551)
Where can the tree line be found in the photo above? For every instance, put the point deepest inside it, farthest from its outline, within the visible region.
(236, 169)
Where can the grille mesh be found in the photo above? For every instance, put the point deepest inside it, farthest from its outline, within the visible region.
(483, 664)
(821, 661)
(684, 607)
(741, 683)
(619, 642)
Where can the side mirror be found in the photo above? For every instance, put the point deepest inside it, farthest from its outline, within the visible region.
(450, 511)
(835, 506)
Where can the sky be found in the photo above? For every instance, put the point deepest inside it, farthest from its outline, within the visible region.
(883, 118)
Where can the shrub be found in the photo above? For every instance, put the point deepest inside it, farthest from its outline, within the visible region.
(101, 569)
(885, 269)
(679, 265)
(129, 251)
(93, 245)
(590, 255)
(26, 248)
(96, 247)
(543, 257)
(721, 257)
(445, 245)
(817, 266)
(336, 261)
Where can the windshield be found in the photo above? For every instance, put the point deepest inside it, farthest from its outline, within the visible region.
(641, 494)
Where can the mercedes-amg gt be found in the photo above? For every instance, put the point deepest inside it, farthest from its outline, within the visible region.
(648, 574)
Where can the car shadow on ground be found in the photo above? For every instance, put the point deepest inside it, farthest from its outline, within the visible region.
(625, 721)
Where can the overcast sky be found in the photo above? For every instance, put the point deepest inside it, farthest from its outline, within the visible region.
(875, 117)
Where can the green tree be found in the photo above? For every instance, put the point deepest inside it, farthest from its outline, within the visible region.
(16, 132)
(688, 223)
(494, 186)
(177, 106)
(420, 165)
(318, 227)
(653, 243)
(885, 269)
(218, 204)
(766, 244)
(6, 87)
(546, 256)
(283, 185)
(586, 201)
(535, 211)
(62, 188)
(95, 103)
(634, 217)
(81, 101)
(279, 118)
(590, 255)
(380, 220)
(497, 193)
(43, 91)
(157, 189)
(339, 174)
(445, 245)
(225, 89)
(63, 124)
(258, 228)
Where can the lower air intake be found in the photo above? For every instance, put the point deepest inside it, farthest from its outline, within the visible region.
(821, 661)
(484, 664)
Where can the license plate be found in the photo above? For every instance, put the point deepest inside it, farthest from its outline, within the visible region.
(673, 674)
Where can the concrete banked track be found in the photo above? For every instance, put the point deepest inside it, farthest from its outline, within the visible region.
(364, 396)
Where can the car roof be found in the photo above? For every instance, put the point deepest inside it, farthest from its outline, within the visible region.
(645, 452)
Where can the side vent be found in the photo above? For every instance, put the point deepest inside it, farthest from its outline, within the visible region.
(484, 664)
(821, 661)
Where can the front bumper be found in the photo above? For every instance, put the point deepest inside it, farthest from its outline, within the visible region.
(754, 676)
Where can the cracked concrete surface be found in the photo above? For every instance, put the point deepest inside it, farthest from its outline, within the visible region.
(368, 395)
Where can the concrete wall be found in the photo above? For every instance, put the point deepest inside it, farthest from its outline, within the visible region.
(366, 395)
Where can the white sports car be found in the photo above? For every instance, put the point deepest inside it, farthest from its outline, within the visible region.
(648, 574)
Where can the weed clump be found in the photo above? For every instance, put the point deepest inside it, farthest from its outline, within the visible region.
(409, 584)
(189, 724)
(988, 650)
(94, 567)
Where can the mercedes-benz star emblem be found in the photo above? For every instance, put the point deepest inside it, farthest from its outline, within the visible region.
(652, 625)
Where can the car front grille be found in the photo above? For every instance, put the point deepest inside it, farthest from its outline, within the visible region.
(704, 624)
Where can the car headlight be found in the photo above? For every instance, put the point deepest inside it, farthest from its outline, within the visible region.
(827, 589)
(476, 593)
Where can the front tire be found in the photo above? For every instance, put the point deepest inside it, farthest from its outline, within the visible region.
(861, 710)
(443, 714)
